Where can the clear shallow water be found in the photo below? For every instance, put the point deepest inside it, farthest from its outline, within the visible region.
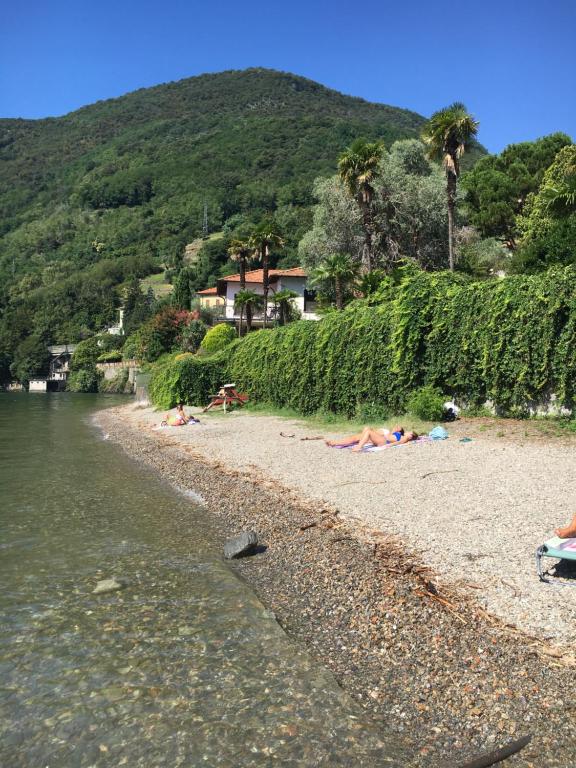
(184, 667)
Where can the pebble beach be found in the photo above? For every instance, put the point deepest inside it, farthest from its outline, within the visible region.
(408, 572)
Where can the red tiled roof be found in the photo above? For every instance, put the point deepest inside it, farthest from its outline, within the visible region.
(208, 292)
(257, 275)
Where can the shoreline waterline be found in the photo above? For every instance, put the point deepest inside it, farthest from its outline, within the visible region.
(427, 663)
(125, 639)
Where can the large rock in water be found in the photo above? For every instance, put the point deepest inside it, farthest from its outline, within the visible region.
(108, 585)
(239, 546)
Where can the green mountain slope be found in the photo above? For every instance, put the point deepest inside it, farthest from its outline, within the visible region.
(236, 139)
(125, 181)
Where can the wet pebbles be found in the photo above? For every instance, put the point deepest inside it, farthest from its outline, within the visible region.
(424, 661)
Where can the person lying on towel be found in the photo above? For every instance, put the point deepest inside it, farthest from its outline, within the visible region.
(377, 437)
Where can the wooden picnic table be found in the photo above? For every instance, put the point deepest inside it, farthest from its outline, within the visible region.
(226, 396)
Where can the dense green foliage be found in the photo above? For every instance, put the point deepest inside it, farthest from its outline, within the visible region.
(115, 190)
(511, 341)
(498, 186)
(84, 380)
(407, 217)
(548, 232)
(192, 335)
(426, 403)
(190, 379)
(162, 333)
(217, 338)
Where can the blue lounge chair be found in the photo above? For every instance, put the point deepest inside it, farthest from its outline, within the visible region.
(561, 549)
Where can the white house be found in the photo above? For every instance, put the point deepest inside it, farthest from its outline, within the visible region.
(118, 329)
(294, 279)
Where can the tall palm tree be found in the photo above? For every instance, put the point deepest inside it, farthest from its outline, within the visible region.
(283, 301)
(339, 270)
(249, 302)
(266, 235)
(240, 251)
(447, 135)
(358, 166)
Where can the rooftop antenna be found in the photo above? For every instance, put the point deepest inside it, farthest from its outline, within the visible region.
(205, 220)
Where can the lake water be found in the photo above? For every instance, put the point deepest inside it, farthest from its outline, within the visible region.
(184, 666)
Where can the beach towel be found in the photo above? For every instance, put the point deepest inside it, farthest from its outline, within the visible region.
(438, 433)
(369, 448)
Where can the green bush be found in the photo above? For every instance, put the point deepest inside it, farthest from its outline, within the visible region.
(190, 380)
(426, 403)
(84, 380)
(114, 356)
(85, 354)
(218, 338)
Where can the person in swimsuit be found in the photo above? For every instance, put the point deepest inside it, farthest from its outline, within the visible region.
(178, 419)
(377, 437)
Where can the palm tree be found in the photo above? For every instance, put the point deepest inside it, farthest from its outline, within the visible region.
(447, 135)
(283, 302)
(370, 282)
(267, 235)
(357, 167)
(240, 251)
(561, 199)
(249, 301)
(339, 270)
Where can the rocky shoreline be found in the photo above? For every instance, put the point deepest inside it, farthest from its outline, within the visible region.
(419, 655)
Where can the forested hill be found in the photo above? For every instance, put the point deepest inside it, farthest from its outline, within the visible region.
(239, 140)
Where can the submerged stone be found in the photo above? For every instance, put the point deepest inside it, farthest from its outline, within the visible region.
(240, 546)
(108, 585)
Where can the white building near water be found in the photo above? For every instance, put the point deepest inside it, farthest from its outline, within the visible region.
(295, 280)
(60, 355)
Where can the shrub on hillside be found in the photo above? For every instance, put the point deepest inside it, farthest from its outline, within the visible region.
(426, 403)
(192, 335)
(217, 338)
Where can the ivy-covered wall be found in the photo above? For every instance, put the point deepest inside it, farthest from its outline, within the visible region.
(512, 341)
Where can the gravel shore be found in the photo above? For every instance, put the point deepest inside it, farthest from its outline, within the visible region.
(408, 572)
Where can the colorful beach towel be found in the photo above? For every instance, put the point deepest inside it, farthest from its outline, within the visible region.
(369, 448)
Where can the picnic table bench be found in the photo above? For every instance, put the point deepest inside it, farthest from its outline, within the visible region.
(226, 396)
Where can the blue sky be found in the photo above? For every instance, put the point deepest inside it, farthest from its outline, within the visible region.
(512, 63)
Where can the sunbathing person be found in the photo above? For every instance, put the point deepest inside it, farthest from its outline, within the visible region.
(568, 532)
(178, 419)
(377, 437)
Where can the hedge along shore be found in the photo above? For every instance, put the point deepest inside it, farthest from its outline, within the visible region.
(419, 654)
(511, 342)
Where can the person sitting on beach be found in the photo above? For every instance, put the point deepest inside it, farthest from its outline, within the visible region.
(377, 437)
(178, 419)
(568, 532)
